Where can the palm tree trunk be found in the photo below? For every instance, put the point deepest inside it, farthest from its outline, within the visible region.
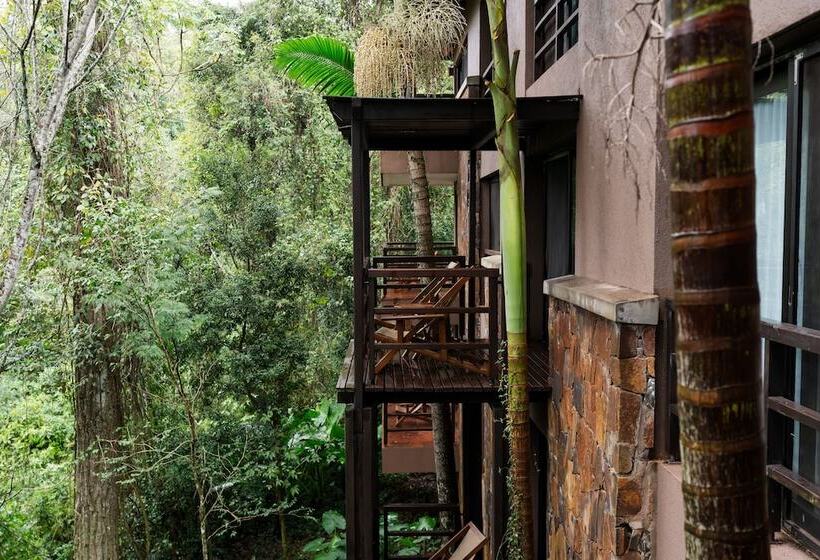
(443, 451)
(514, 265)
(444, 455)
(711, 146)
(421, 201)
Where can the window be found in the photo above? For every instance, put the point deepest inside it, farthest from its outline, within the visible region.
(460, 68)
(491, 215)
(555, 31)
(770, 156)
(806, 445)
(486, 50)
(787, 150)
(560, 215)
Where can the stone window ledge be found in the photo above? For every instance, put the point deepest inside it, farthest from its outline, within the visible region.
(616, 303)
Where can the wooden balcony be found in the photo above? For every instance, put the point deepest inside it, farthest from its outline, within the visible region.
(432, 353)
(424, 380)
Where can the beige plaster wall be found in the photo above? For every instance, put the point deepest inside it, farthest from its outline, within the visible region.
(615, 195)
(622, 226)
(473, 13)
(437, 162)
(771, 16)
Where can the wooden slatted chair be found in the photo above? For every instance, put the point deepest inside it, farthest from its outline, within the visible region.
(463, 546)
(423, 328)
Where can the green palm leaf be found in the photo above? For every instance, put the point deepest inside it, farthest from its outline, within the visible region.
(323, 64)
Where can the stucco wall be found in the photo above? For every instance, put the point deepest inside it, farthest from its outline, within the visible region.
(615, 195)
(473, 37)
(621, 216)
(771, 16)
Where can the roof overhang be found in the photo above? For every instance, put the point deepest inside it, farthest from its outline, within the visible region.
(446, 123)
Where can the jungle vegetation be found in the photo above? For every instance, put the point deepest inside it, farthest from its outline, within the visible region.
(171, 332)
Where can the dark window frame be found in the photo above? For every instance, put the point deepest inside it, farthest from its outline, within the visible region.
(487, 184)
(486, 50)
(553, 31)
(782, 358)
(460, 70)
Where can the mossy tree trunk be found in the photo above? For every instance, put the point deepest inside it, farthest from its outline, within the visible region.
(711, 146)
(98, 368)
(514, 265)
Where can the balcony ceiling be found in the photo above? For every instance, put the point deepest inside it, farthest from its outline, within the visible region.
(436, 123)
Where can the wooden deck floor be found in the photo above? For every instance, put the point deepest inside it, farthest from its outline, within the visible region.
(427, 380)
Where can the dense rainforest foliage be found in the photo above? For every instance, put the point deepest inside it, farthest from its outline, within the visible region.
(192, 239)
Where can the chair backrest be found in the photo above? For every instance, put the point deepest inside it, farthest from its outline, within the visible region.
(431, 290)
(464, 545)
(450, 295)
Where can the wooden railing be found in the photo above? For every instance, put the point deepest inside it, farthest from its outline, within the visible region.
(415, 417)
(780, 343)
(404, 272)
(413, 510)
(414, 262)
(410, 248)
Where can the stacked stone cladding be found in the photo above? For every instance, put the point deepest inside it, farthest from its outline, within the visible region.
(601, 434)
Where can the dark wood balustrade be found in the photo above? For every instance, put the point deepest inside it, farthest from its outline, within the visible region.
(781, 341)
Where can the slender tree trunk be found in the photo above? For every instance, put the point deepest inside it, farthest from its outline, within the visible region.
(711, 146)
(97, 419)
(444, 455)
(283, 534)
(12, 267)
(421, 201)
(514, 263)
(196, 469)
(43, 129)
(395, 219)
(443, 450)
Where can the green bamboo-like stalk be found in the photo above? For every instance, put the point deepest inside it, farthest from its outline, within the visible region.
(514, 263)
(711, 147)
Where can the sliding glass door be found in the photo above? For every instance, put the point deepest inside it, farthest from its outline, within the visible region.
(806, 459)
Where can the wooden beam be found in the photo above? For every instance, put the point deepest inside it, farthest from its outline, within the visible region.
(359, 176)
(791, 335)
(498, 484)
(471, 457)
(795, 483)
(786, 407)
(472, 250)
(361, 483)
(433, 272)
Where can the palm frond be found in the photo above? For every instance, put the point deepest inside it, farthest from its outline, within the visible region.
(323, 64)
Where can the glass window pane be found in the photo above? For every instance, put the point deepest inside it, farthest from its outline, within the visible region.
(495, 216)
(770, 154)
(806, 460)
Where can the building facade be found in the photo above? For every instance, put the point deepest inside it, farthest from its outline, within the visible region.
(602, 365)
(600, 277)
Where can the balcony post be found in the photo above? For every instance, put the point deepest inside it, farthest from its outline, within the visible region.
(361, 485)
(360, 176)
(472, 250)
(472, 458)
(492, 330)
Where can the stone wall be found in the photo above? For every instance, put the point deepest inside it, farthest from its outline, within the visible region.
(601, 431)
